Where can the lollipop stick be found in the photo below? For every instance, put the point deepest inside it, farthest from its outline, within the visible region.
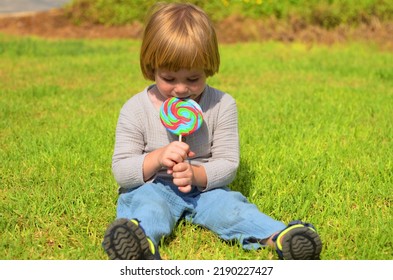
(180, 137)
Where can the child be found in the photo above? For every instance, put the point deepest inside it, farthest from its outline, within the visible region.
(163, 180)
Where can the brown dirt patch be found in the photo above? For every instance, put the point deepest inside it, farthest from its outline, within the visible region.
(56, 24)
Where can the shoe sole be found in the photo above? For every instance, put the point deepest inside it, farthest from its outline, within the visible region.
(301, 243)
(124, 240)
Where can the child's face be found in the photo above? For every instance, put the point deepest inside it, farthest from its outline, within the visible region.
(185, 83)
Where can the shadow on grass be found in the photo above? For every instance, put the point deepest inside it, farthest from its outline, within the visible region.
(244, 178)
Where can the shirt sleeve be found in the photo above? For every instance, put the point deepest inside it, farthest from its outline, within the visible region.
(222, 166)
(128, 156)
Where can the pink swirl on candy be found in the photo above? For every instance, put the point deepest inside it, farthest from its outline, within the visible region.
(181, 116)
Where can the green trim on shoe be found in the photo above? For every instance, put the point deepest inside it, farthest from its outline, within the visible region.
(282, 233)
(152, 246)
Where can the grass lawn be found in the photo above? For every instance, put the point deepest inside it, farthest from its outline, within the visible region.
(316, 128)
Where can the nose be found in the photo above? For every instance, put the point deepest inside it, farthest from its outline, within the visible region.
(181, 89)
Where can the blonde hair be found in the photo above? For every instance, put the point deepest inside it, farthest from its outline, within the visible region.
(179, 36)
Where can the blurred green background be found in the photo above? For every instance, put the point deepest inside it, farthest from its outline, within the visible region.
(325, 13)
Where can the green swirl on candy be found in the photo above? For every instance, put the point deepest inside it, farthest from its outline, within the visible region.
(181, 116)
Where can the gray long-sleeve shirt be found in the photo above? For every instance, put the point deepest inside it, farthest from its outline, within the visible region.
(139, 131)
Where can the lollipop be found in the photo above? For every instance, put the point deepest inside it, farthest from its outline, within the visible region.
(181, 116)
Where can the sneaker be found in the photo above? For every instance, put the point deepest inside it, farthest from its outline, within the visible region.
(298, 241)
(126, 240)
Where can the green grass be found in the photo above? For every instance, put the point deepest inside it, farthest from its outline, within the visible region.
(316, 142)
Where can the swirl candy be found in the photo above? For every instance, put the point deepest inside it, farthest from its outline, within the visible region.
(181, 116)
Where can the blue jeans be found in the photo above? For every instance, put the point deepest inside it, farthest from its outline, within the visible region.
(159, 206)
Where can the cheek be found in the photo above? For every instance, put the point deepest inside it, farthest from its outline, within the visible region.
(198, 87)
(164, 87)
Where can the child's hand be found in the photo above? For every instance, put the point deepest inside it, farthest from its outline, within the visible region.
(174, 153)
(182, 176)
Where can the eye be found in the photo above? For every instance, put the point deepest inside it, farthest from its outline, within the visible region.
(193, 80)
(169, 80)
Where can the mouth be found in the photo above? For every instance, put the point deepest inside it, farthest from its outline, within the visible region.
(184, 97)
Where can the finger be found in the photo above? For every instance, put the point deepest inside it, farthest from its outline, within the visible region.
(180, 167)
(185, 189)
(172, 159)
(183, 181)
(184, 147)
(168, 163)
(177, 155)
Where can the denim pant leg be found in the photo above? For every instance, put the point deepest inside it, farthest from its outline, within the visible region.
(154, 205)
(232, 217)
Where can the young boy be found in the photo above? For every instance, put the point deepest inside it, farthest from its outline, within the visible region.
(163, 180)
